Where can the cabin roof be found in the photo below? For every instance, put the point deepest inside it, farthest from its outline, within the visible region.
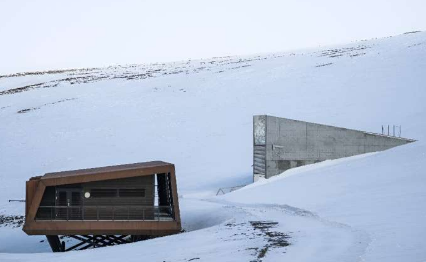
(100, 172)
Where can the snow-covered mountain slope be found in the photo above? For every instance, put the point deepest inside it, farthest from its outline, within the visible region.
(198, 115)
(382, 195)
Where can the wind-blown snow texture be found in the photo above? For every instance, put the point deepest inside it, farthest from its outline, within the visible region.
(198, 115)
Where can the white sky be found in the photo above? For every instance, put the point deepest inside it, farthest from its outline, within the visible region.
(39, 35)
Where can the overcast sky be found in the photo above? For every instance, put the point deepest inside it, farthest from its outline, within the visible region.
(39, 35)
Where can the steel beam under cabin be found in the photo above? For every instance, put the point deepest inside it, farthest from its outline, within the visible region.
(104, 202)
(54, 243)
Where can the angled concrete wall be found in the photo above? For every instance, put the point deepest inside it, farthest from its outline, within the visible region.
(280, 144)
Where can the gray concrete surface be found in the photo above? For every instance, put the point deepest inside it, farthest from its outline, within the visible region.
(280, 144)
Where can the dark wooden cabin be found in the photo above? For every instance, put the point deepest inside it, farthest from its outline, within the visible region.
(103, 206)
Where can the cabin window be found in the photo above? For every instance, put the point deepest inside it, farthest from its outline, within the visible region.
(109, 193)
(103, 192)
(138, 192)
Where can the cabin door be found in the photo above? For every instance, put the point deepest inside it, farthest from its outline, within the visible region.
(69, 204)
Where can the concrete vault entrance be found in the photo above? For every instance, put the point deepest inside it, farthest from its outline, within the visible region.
(280, 144)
